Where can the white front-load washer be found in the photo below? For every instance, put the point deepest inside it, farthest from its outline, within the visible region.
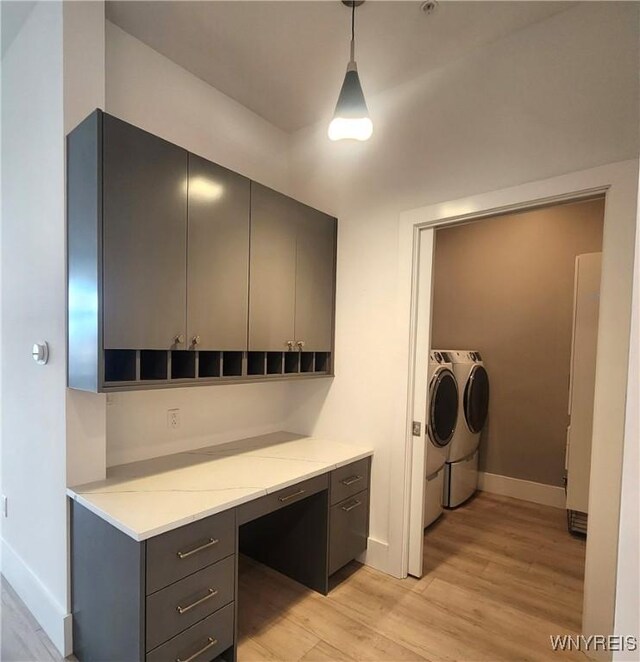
(461, 469)
(441, 419)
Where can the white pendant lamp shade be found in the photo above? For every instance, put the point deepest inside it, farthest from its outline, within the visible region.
(351, 119)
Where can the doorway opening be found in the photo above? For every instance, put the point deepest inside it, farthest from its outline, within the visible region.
(505, 320)
(618, 183)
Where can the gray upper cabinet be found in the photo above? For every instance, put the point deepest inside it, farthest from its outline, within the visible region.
(292, 271)
(217, 257)
(272, 289)
(181, 272)
(144, 239)
(315, 280)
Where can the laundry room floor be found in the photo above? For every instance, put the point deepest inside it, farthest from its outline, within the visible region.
(501, 576)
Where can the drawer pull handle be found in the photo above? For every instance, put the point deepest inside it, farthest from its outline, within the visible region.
(355, 504)
(210, 643)
(351, 480)
(210, 594)
(284, 499)
(195, 550)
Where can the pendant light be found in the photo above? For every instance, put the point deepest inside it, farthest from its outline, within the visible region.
(351, 119)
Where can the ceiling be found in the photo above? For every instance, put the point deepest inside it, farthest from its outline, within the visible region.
(285, 60)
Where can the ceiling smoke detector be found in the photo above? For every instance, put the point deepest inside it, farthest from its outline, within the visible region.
(429, 6)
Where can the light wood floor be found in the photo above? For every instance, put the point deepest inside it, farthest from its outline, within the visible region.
(500, 576)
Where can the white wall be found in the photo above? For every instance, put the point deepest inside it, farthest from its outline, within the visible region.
(33, 309)
(555, 97)
(150, 91)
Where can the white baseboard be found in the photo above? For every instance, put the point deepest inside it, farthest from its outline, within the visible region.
(376, 555)
(547, 495)
(49, 613)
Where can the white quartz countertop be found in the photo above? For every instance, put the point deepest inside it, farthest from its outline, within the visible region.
(144, 499)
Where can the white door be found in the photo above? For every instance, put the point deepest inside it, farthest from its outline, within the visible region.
(421, 336)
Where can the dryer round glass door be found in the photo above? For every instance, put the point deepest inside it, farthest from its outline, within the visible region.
(443, 407)
(476, 399)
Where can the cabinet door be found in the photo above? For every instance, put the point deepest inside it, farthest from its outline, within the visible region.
(315, 279)
(218, 257)
(145, 239)
(273, 269)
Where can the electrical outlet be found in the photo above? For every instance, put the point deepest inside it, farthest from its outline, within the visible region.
(416, 429)
(5, 506)
(173, 419)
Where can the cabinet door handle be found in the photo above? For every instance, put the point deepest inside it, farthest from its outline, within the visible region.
(351, 480)
(211, 542)
(355, 504)
(195, 340)
(210, 594)
(300, 344)
(179, 339)
(284, 499)
(210, 642)
(290, 344)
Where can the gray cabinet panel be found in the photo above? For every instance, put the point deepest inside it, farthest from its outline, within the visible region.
(84, 248)
(218, 256)
(315, 279)
(349, 530)
(273, 269)
(145, 235)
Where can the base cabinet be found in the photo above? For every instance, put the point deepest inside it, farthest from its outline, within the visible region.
(172, 598)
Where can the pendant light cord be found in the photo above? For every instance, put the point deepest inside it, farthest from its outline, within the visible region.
(353, 30)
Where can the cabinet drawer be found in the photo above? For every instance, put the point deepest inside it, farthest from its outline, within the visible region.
(272, 502)
(348, 530)
(177, 607)
(181, 552)
(201, 642)
(349, 480)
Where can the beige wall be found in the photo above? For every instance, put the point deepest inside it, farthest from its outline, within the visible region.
(504, 286)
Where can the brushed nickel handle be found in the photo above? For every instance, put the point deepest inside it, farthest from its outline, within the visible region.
(195, 340)
(179, 339)
(348, 509)
(284, 499)
(210, 642)
(351, 480)
(210, 594)
(300, 344)
(195, 550)
(290, 344)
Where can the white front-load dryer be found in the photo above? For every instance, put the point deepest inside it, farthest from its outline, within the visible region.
(441, 420)
(461, 470)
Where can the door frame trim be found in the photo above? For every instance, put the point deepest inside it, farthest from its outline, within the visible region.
(618, 182)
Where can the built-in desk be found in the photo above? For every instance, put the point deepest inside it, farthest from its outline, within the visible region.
(154, 547)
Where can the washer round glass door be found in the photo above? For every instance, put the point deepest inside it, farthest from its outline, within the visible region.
(443, 407)
(476, 398)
